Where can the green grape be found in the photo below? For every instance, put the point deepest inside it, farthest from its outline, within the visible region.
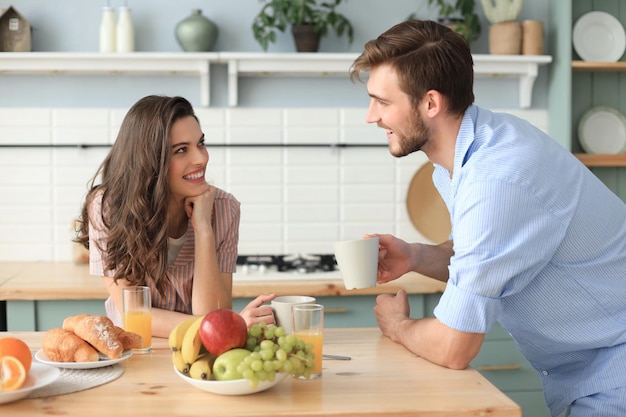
(279, 331)
(256, 365)
(266, 354)
(254, 381)
(291, 339)
(297, 363)
(271, 375)
(273, 351)
(269, 332)
(266, 344)
(248, 374)
(281, 355)
(255, 331)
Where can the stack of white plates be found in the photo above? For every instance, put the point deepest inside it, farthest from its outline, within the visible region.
(598, 36)
(602, 130)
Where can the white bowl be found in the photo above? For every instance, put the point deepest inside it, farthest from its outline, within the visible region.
(39, 376)
(234, 387)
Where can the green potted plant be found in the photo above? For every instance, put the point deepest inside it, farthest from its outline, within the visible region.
(459, 15)
(308, 17)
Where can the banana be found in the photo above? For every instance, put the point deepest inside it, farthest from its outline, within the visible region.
(191, 345)
(175, 339)
(179, 363)
(201, 368)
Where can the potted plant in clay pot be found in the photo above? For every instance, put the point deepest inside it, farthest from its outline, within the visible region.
(459, 16)
(310, 20)
(505, 32)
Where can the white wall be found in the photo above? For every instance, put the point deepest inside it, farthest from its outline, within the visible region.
(293, 199)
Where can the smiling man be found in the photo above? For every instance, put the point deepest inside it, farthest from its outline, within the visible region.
(538, 243)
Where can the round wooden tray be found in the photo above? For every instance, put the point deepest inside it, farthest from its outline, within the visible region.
(426, 208)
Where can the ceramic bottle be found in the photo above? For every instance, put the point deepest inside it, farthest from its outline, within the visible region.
(125, 32)
(107, 30)
(196, 33)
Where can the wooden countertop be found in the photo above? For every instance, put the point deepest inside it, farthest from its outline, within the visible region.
(382, 379)
(69, 281)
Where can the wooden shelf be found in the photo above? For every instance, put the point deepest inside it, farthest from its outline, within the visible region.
(592, 160)
(523, 67)
(599, 66)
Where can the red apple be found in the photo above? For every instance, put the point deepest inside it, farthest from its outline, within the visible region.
(222, 330)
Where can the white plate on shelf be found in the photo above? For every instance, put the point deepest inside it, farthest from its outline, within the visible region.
(39, 376)
(104, 361)
(602, 130)
(234, 387)
(598, 36)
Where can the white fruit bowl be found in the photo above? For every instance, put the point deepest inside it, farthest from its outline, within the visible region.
(234, 387)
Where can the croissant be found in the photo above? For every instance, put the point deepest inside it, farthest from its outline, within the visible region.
(62, 345)
(99, 331)
(130, 340)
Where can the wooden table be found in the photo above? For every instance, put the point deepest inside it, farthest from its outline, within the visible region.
(382, 379)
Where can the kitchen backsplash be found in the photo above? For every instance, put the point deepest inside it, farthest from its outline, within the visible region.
(294, 198)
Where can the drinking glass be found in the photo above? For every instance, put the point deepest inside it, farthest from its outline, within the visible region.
(137, 315)
(308, 325)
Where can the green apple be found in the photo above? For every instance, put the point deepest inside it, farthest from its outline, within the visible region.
(225, 365)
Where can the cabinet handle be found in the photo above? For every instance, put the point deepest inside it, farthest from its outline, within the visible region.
(336, 310)
(499, 367)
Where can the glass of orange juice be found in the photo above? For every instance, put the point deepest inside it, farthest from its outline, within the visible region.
(137, 315)
(308, 325)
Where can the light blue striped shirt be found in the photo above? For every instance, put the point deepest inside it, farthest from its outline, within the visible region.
(540, 247)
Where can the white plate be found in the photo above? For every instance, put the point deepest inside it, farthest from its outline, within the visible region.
(104, 361)
(602, 130)
(39, 376)
(598, 36)
(234, 387)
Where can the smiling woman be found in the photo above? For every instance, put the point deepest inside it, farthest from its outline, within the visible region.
(153, 220)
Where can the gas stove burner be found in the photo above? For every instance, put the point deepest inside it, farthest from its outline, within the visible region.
(301, 263)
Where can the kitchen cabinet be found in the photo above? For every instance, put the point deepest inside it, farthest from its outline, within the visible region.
(576, 86)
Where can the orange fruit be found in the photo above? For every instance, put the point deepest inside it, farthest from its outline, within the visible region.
(12, 374)
(11, 346)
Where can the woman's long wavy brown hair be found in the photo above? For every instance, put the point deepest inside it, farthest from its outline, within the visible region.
(133, 179)
(426, 56)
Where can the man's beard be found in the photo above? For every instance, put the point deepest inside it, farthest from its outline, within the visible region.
(415, 139)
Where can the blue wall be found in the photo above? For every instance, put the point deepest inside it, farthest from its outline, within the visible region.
(73, 26)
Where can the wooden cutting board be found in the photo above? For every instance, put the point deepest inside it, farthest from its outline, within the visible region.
(426, 208)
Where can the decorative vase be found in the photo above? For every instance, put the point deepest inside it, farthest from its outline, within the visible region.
(306, 38)
(196, 33)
